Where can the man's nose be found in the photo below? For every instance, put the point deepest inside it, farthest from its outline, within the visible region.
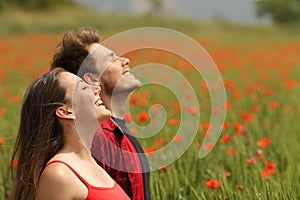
(125, 61)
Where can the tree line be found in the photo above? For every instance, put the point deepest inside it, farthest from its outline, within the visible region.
(34, 4)
(281, 11)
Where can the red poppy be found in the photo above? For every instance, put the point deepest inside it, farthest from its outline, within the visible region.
(251, 161)
(128, 117)
(160, 143)
(163, 169)
(264, 143)
(226, 139)
(247, 117)
(149, 151)
(15, 163)
(290, 84)
(192, 110)
(143, 117)
(1, 141)
(232, 151)
(268, 92)
(155, 109)
(133, 131)
(207, 126)
(240, 187)
(227, 174)
(207, 134)
(227, 105)
(237, 95)
(174, 122)
(238, 127)
(270, 165)
(255, 108)
(229, 84)
(226, 125)
(209, 146)
(17, 98)
(2, 112)
(177, 138)
(147, 95)
(213, 184)
(143, 102)
(274, 105)
(133, 100)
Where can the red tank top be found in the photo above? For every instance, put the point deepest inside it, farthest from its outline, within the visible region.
(98, 193)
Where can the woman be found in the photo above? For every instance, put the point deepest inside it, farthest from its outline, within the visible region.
(53, 160)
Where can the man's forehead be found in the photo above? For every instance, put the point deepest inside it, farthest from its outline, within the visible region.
(98, 48)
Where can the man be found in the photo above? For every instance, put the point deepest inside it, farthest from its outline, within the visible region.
(113, 146)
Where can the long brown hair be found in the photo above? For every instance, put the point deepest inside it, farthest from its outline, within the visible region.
(73, 50)
(40, 134)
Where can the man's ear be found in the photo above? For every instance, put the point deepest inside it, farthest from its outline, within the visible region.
(65, 113)
(90, 78)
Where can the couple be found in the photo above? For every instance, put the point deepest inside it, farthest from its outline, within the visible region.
(56, 133)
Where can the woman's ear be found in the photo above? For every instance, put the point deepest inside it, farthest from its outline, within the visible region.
(65, 113)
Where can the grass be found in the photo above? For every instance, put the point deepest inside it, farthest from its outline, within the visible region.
(257, 61)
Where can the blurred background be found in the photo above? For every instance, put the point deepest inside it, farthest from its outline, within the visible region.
(16, 15)
(255, 45)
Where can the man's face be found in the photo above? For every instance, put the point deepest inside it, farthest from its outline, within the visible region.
(114, 71)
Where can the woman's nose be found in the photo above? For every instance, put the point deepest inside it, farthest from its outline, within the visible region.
(97, 89)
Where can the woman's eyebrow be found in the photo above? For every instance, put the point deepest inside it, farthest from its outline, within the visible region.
(80, 81)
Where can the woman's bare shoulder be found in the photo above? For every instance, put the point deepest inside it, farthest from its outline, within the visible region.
(59, 182)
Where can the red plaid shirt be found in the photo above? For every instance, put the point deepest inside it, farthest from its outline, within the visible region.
(112, 150)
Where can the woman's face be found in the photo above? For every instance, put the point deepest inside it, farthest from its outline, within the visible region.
(84, 100)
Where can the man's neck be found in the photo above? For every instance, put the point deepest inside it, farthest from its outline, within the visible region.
(116, 104)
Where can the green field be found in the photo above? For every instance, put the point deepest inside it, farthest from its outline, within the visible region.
(257, 155)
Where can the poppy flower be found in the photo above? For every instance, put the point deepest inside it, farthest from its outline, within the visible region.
(2, 112)
(227, 105)
(213, 184)
(17, 98)
(274, 105)
(174, 122)
(177, 138)
(133, 131)
(15, 164)
(240, 187)
(209, 146)
(128, 118)
(229, 84)
(155, 109)
(255, 108)
(232, 151)
(133, 100)
(251, 161)
(1, 141)
(192, 111)
(163, 169)
(227, 174)
(160, 143)
(290, 84)
(143, 117)
(238, 127)
(226, 139)
(264, 143)
(148, 152)
(143, 102)
(247, 117)
(226, 125)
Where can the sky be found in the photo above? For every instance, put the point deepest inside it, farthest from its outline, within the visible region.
(235, 11)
